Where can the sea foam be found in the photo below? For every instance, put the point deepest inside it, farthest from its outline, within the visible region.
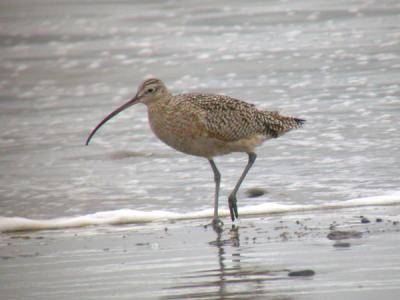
(128, 216)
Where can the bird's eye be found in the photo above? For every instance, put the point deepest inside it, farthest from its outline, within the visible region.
(150, 90)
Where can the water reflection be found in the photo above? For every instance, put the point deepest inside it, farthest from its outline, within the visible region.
(236, 277)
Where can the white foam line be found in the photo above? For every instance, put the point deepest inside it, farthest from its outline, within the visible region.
(125, 216)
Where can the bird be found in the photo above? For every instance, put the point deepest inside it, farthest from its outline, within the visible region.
(207, 125)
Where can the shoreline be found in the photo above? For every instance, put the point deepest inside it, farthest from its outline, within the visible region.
(129, 216)
(334, 253)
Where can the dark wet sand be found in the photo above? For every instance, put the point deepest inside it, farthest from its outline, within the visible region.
(331, 254)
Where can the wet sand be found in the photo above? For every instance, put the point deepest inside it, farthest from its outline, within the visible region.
(337, 254)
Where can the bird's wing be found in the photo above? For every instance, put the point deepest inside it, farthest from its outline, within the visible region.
(230, 120)
(225, 118)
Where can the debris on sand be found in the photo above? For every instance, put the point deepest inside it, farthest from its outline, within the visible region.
(342, 235)
(341, 245)
(301, 273)
(365, 220)
(256, 192)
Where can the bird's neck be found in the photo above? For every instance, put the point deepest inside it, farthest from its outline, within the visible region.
(159, 115)
(158, 106)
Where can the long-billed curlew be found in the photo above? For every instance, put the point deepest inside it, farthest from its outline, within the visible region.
(207, 125)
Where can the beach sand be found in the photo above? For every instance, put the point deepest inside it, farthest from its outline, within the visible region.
(349, 253)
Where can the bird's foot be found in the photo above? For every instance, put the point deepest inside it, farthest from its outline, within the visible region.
(217, 224)
(232, 201)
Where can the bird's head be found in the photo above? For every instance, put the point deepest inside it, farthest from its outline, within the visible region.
(150, 91)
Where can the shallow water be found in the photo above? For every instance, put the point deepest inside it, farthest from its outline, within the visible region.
(65, 65)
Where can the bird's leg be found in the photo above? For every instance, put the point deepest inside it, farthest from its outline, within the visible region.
(217, 178)
(232, 197)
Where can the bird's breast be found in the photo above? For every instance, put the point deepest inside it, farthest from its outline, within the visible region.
(180, 130)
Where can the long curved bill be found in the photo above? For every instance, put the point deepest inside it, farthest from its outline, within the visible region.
(114, 113)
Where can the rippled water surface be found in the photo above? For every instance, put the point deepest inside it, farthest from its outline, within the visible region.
(65, 65)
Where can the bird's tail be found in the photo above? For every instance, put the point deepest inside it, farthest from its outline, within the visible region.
(299, 122)
(276, 125)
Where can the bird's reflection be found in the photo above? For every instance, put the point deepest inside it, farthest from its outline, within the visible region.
(232, 279)
(234, 241)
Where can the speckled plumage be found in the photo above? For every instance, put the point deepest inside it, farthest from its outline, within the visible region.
(207, 125)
